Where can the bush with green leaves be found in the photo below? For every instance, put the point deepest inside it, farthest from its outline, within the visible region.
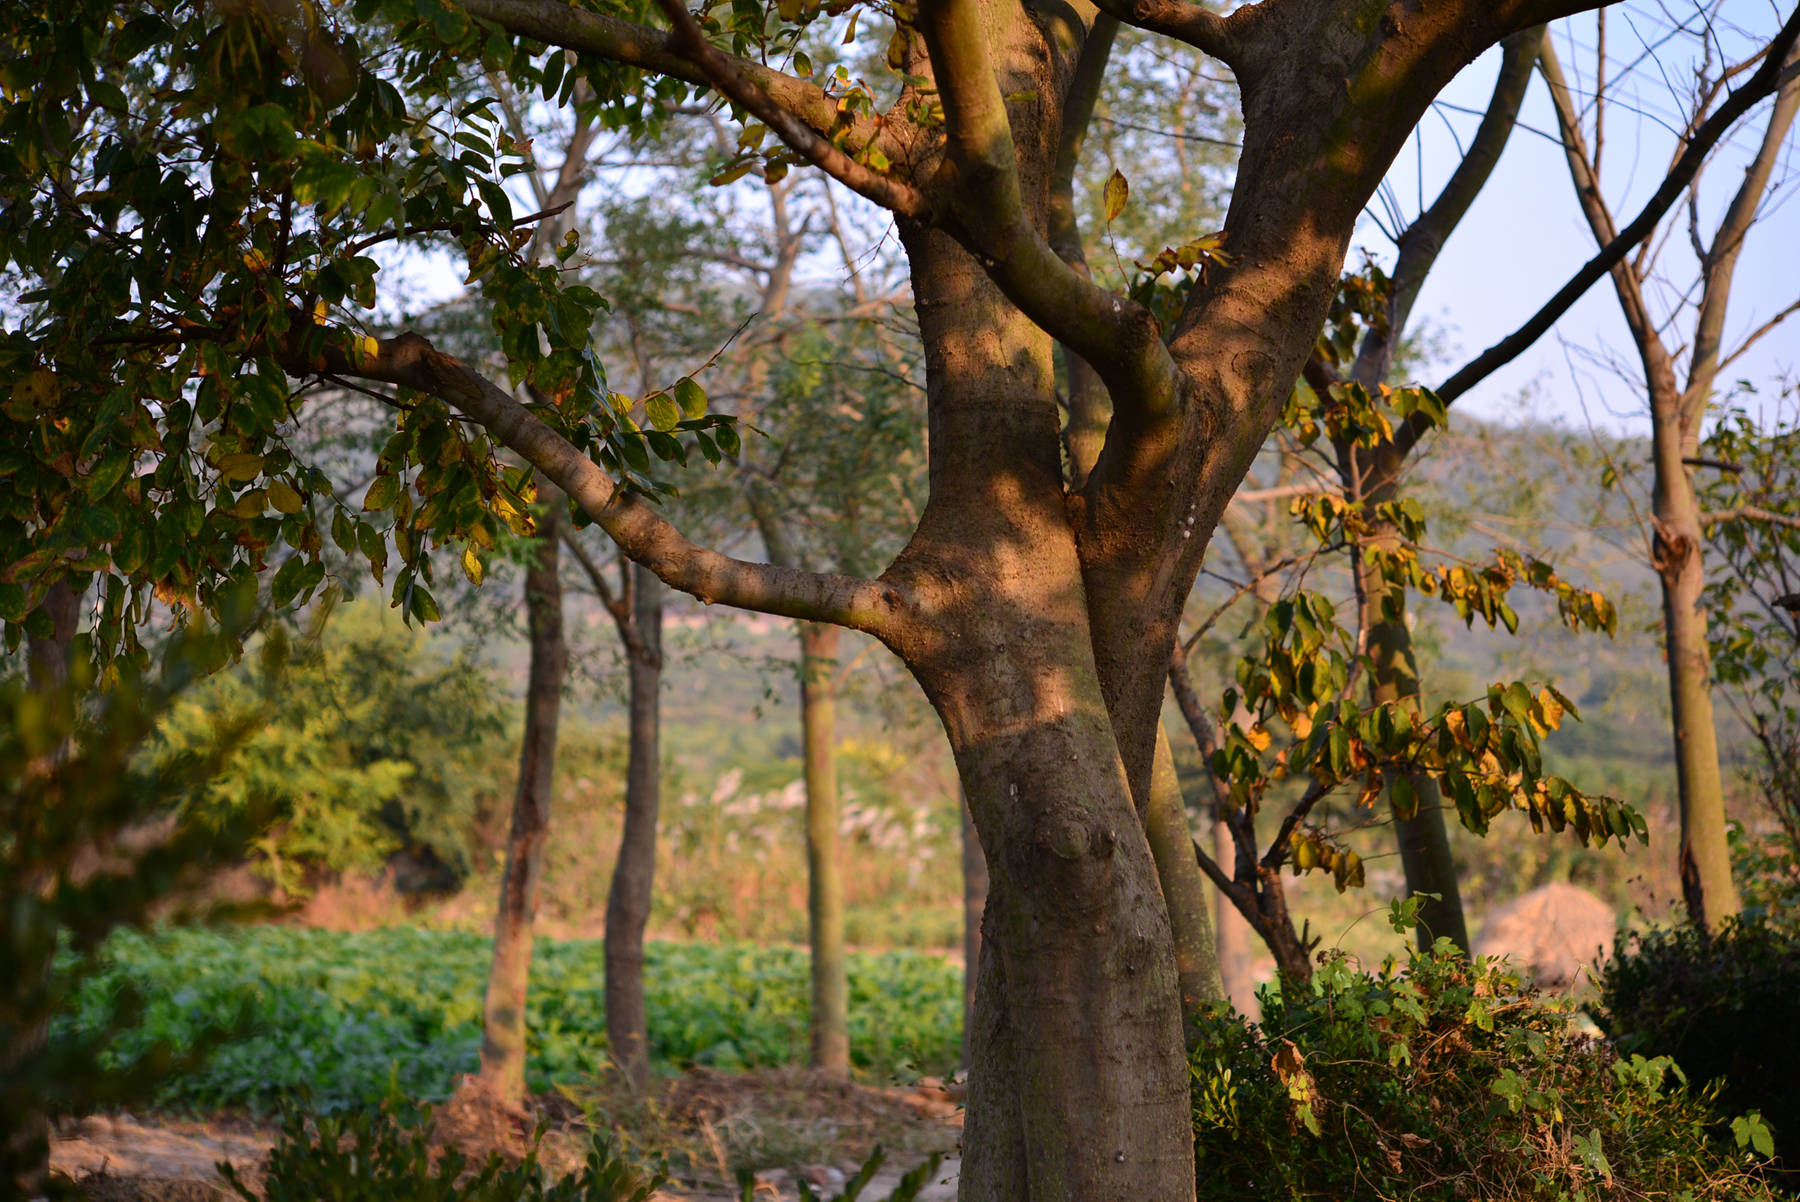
(377, 743)
(1447, 1080)
(387, 1156)
(339, 1021)
(1724, 1006)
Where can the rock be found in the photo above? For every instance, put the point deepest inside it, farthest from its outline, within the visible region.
(1556, 934)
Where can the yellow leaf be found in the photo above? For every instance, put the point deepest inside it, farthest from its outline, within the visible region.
(320, 311)
(284, 497)
(1115, 194)
(471, 565)
(251, 504)
(39, 390)
(241, 468)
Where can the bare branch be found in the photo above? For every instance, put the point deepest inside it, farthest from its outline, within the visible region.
(1763, 83)
(1750, 513)
(1194, 24)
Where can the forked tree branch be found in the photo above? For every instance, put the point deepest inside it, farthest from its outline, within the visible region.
(410, 361)
(987, 214)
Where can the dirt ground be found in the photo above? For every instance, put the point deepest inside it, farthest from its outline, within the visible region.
(706, 1125)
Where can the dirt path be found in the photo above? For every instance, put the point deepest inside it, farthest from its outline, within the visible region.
(706, 1123)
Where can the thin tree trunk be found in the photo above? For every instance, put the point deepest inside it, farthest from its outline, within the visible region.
(975, 891)
(1705, 858)
(1423, 835)
(1231, 934)
(628, 900)
(825, 883)
(503, 1036)
(1183, 885)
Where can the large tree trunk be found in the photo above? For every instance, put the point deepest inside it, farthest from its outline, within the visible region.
(1077, 1078)
(825, 883)
(503, 1034)
(628, 900)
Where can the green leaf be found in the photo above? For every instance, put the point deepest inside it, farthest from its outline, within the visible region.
(241, 468)
(691, 397)
(661, 411)
(287, 582)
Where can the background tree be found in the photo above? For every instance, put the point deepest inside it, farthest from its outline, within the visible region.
(1678, 408)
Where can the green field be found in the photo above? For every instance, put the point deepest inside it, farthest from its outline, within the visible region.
(339, 1020)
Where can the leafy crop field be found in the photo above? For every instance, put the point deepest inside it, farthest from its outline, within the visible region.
(336, 1020)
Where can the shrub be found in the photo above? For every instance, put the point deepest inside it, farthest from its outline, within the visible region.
(1446, 1080)
(1726, 1007)
(377, 743)
(383, 1156)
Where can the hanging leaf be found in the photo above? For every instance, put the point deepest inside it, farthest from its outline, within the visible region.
(1115, 194)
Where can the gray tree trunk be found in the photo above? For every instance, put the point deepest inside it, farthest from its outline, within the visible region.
(628, 900)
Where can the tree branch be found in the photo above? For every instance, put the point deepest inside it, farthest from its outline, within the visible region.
(1750, 513)
(1194, 24)
(410, 361)
(1767, 79)
(659, 52)
(726, 73)
(1118, 337)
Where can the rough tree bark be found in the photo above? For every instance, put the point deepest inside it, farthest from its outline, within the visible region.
(825, 885)
(503, 1034)
(628, 898)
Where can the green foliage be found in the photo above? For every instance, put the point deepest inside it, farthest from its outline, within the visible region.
(89, 842)
(374, 744)
(195, 200)
(1724, 1006)
(1484, 755)
(344, 1020)
(387, 1156)
(1445, 1080)
(1753, 597)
